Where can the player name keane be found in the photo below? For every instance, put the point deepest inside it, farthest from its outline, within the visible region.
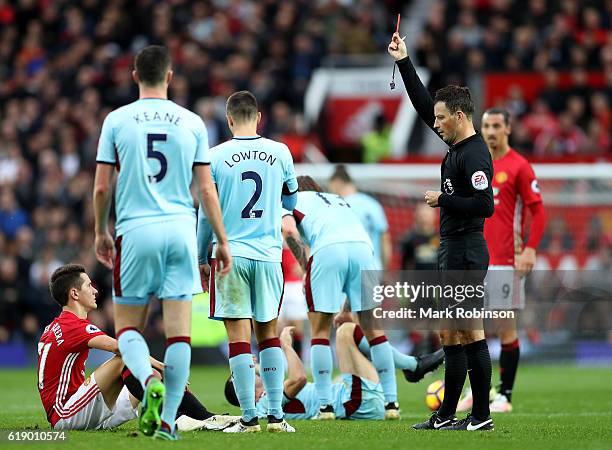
(433, 313)
(157, 117)
(250, 155)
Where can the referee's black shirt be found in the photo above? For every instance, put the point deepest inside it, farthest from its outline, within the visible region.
(467, 169)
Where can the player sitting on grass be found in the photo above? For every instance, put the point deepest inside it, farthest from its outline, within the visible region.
(110, 395)
(358, 396)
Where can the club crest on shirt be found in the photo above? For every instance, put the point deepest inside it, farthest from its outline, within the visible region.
(479, 180)
(501, 177)
(448, 187)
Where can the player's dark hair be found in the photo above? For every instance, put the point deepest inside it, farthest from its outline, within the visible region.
(63, 279)
(456, 98)
(230, 392)
(504, 112)
(152, 64)
(242, 106)
(306, 183)
(341, 174)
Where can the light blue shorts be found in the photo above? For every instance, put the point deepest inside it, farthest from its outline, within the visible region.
(252, 290)
(335, 271)
(156, 259)
(359, 398)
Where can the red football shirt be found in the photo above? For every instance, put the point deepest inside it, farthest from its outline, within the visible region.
(62, 352)
(291, 268)
(514, 188)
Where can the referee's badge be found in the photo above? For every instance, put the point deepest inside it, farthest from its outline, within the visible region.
(448, 187)
(480, 181)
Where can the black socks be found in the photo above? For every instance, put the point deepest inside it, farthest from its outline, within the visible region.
(479, 371)
(508, 364)
(455, 370)
(190, 406)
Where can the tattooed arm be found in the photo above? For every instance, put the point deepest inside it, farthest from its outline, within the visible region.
(294, 241)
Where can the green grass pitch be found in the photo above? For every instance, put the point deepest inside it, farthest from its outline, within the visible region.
(562, 407)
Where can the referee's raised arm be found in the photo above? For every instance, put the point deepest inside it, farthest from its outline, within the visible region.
(465, 199)
(418, 93)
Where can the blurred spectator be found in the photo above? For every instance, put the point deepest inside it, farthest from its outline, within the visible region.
(10, 297)
(594, 234)
(540, 119)
(217, 128)
(557, 237)
(516, 104)
(12, 217)
(377, 143)
(567, 139)
(551, 94)
(419, 246)
(296, 139)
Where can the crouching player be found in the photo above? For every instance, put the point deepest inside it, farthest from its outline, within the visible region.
(340, 253)
(358, 396)
(110, 396)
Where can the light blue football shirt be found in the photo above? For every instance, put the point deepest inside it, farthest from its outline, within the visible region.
(324, 219)
(373, 219)
(250, 174)
(154, 144)
(305, 405)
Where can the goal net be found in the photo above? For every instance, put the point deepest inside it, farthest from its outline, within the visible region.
(577, 199)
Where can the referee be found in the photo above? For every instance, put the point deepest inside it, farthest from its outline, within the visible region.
(465, 200)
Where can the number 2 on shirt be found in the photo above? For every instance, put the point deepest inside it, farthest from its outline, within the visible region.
(248, 212)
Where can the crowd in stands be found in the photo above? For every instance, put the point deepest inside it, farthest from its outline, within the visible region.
(65, 64)
(466, 38)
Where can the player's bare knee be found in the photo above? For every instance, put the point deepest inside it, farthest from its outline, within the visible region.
(507, 336)
(345, 331)
(265, 330)
(469, 336)
(238, 330)
(372, 334)
(114, 365)
(449, 337)
(320, 324)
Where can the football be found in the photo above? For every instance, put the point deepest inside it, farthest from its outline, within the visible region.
(434, 395)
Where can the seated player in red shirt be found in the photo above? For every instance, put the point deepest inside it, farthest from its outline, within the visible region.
(110, 395)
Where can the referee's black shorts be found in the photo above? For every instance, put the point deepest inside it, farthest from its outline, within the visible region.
(463, 261)
(467, 252)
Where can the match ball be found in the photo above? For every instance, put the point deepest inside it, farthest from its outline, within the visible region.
(434, 395)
